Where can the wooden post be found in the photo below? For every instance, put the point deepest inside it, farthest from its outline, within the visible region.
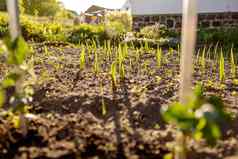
(189, 29)
(14, 24)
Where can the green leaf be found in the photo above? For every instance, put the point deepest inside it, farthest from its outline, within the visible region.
(168, 156)
(16, 121)
(201, 124)
(17, 51)
(215, 131)
(198, 135)
(10, 80)
(198, 91)
(2, 97)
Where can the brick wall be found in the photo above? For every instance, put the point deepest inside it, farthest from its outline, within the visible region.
(174, 21)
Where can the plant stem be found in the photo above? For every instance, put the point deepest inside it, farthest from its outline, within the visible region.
(180, 148)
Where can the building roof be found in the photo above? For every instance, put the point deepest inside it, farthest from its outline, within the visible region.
(96, 8)
(153, 7)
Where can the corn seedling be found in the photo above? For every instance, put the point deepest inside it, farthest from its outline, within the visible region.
(233, 65)
(96, 66)
(113, 74)
(171, 51)
(146, 47)
(82, 59)
(109, 49)
(47, 52)
(221, 67)
(137, 54)
(103, 107)
(120, 58)
(159, 57)
(122, 71)
(125, 50)
(203, 60)
(209, 53)
(198, 55)
(215, 51)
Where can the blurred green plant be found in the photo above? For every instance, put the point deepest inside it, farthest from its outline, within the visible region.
(201, 118)
(15, 89)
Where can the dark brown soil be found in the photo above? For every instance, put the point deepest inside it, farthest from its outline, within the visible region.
(68, 105)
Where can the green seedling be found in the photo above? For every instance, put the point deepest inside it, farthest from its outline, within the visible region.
(215, 51)
(120, 58)
(96, 66)
(221, 67)
(209, 53)
(113, 74)
(146, 47)
(109, 49)
(171, 51)
(159, 57)
(47, 52)
(122, 71)
(198, 55)
(233, 64)
(203, 60)
(137, 54)
(201, 118)
(82, 59)
(125, 50)
(104, 108)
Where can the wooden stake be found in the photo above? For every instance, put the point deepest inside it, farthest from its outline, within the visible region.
(189, 29)
(14, 27)
(14, 24)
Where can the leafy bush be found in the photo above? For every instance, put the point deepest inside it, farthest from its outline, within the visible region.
(86, 32)
(122, 17)
(226, 37)
(3, 24)
(115, 31)
(156, 31)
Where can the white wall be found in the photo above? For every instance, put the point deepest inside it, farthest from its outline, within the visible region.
(150, 7)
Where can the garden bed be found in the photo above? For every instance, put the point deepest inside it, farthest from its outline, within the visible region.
(80, 115)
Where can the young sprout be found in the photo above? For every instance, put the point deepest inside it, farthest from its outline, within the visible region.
(137, 54)
(146, 47)
(82, 59)
(209, 52)
(221, 67)
(46, 51)
(203, 60)
(104, 108)
(122, 71)
(109, 49)
(125, 50)
(120, 58)
(198, 55)
(113, 74)
(178, 49)
(159, 57)
(233, 65)
(96, 66)
(171, 51)
(215, 51)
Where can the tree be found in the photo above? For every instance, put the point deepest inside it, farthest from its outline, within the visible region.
(41, 7)
(3, 6)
